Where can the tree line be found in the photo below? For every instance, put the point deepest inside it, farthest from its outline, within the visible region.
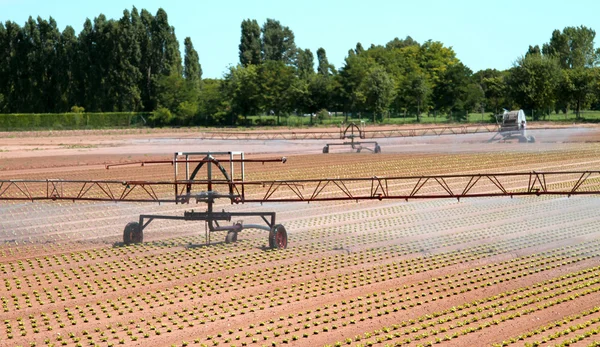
(134, 64)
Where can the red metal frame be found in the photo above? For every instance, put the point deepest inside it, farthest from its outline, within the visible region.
(238, 190)
(309, 190)
(363, 134)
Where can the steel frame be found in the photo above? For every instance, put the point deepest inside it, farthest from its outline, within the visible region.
(566, 183)
(366, 134)
(238, 190)
(349, 133)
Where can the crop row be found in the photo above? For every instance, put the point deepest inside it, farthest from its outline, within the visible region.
(163, 274)
(277, 300)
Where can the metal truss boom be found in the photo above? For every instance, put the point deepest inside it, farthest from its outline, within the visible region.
(365, 134)
(566, 183)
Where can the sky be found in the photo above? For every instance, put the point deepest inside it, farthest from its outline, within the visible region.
(483, 33)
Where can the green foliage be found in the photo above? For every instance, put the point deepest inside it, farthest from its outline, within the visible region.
(573, 47)
(379, 92)
(250, 44)
(173, 90)
(278, 42)
(534, 81)
(324, 68)
(322, 115)
(416, 92)
(111, 65)
(210, 103)
(278, 87)
(578, 87)
(134, 63)
(242, 87)
(192, 71)
(161, 117)
(77, 109)
(186, 112)
(495, 89)
(305, 64)
(35, 121)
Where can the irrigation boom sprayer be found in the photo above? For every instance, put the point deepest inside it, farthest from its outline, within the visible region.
(362, 131)
(508, 126)
(352, 132)
(204, 177)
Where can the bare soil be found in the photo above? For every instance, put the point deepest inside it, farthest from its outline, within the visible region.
(350, 269)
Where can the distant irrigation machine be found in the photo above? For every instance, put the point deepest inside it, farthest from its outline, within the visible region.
(205, 177)
(352, 132)
(512, 124)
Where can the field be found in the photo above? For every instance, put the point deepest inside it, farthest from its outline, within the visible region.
(474, 272)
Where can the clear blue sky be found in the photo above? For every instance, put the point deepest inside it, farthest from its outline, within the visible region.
(483, 33)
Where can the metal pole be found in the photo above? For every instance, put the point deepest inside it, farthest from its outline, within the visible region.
(175, 164)
(187, 167)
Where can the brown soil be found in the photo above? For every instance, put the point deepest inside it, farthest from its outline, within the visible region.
(350, 269)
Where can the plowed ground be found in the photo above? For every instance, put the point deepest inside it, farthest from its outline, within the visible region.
(478, 272)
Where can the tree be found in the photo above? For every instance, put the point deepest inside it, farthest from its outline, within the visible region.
(351, 77)
(379, 91)
(418, 91)
(450, 94)
(396, 43)
(305, 64)
(581, 82)
(210, 102)
(160, 51)
(321, 92)
(277, 87)
(67, 63)
(172, 92)
(473, 98)
(250, 44)
(533, 50)
(241, 85)
(124, 73)
(558, 47)
(533, 81)
(573, 48)
(494, 89)
(192, 71)
(10, 34)
(359, 48)
(278, 42)
(493, 84)
(324, 68)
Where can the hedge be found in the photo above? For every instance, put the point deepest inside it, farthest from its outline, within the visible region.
(58, 121)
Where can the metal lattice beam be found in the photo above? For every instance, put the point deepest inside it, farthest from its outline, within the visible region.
(368, 134)
(565, 183)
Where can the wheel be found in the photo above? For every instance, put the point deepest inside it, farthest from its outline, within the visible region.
(377, 149)
(231, 236)
(133, 233)
(326, 149)
(278, 237)
(531, 139)
(522, 139)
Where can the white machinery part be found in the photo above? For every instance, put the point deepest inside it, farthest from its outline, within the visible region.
(514, 124)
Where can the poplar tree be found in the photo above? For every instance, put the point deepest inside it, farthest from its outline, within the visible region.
(192, 70)
(249, 48)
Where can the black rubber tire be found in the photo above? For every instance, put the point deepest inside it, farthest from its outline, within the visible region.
(133, 234)
(326, 149)
(278, 237)
(531, 139)
(377, 149)
(231, 236)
